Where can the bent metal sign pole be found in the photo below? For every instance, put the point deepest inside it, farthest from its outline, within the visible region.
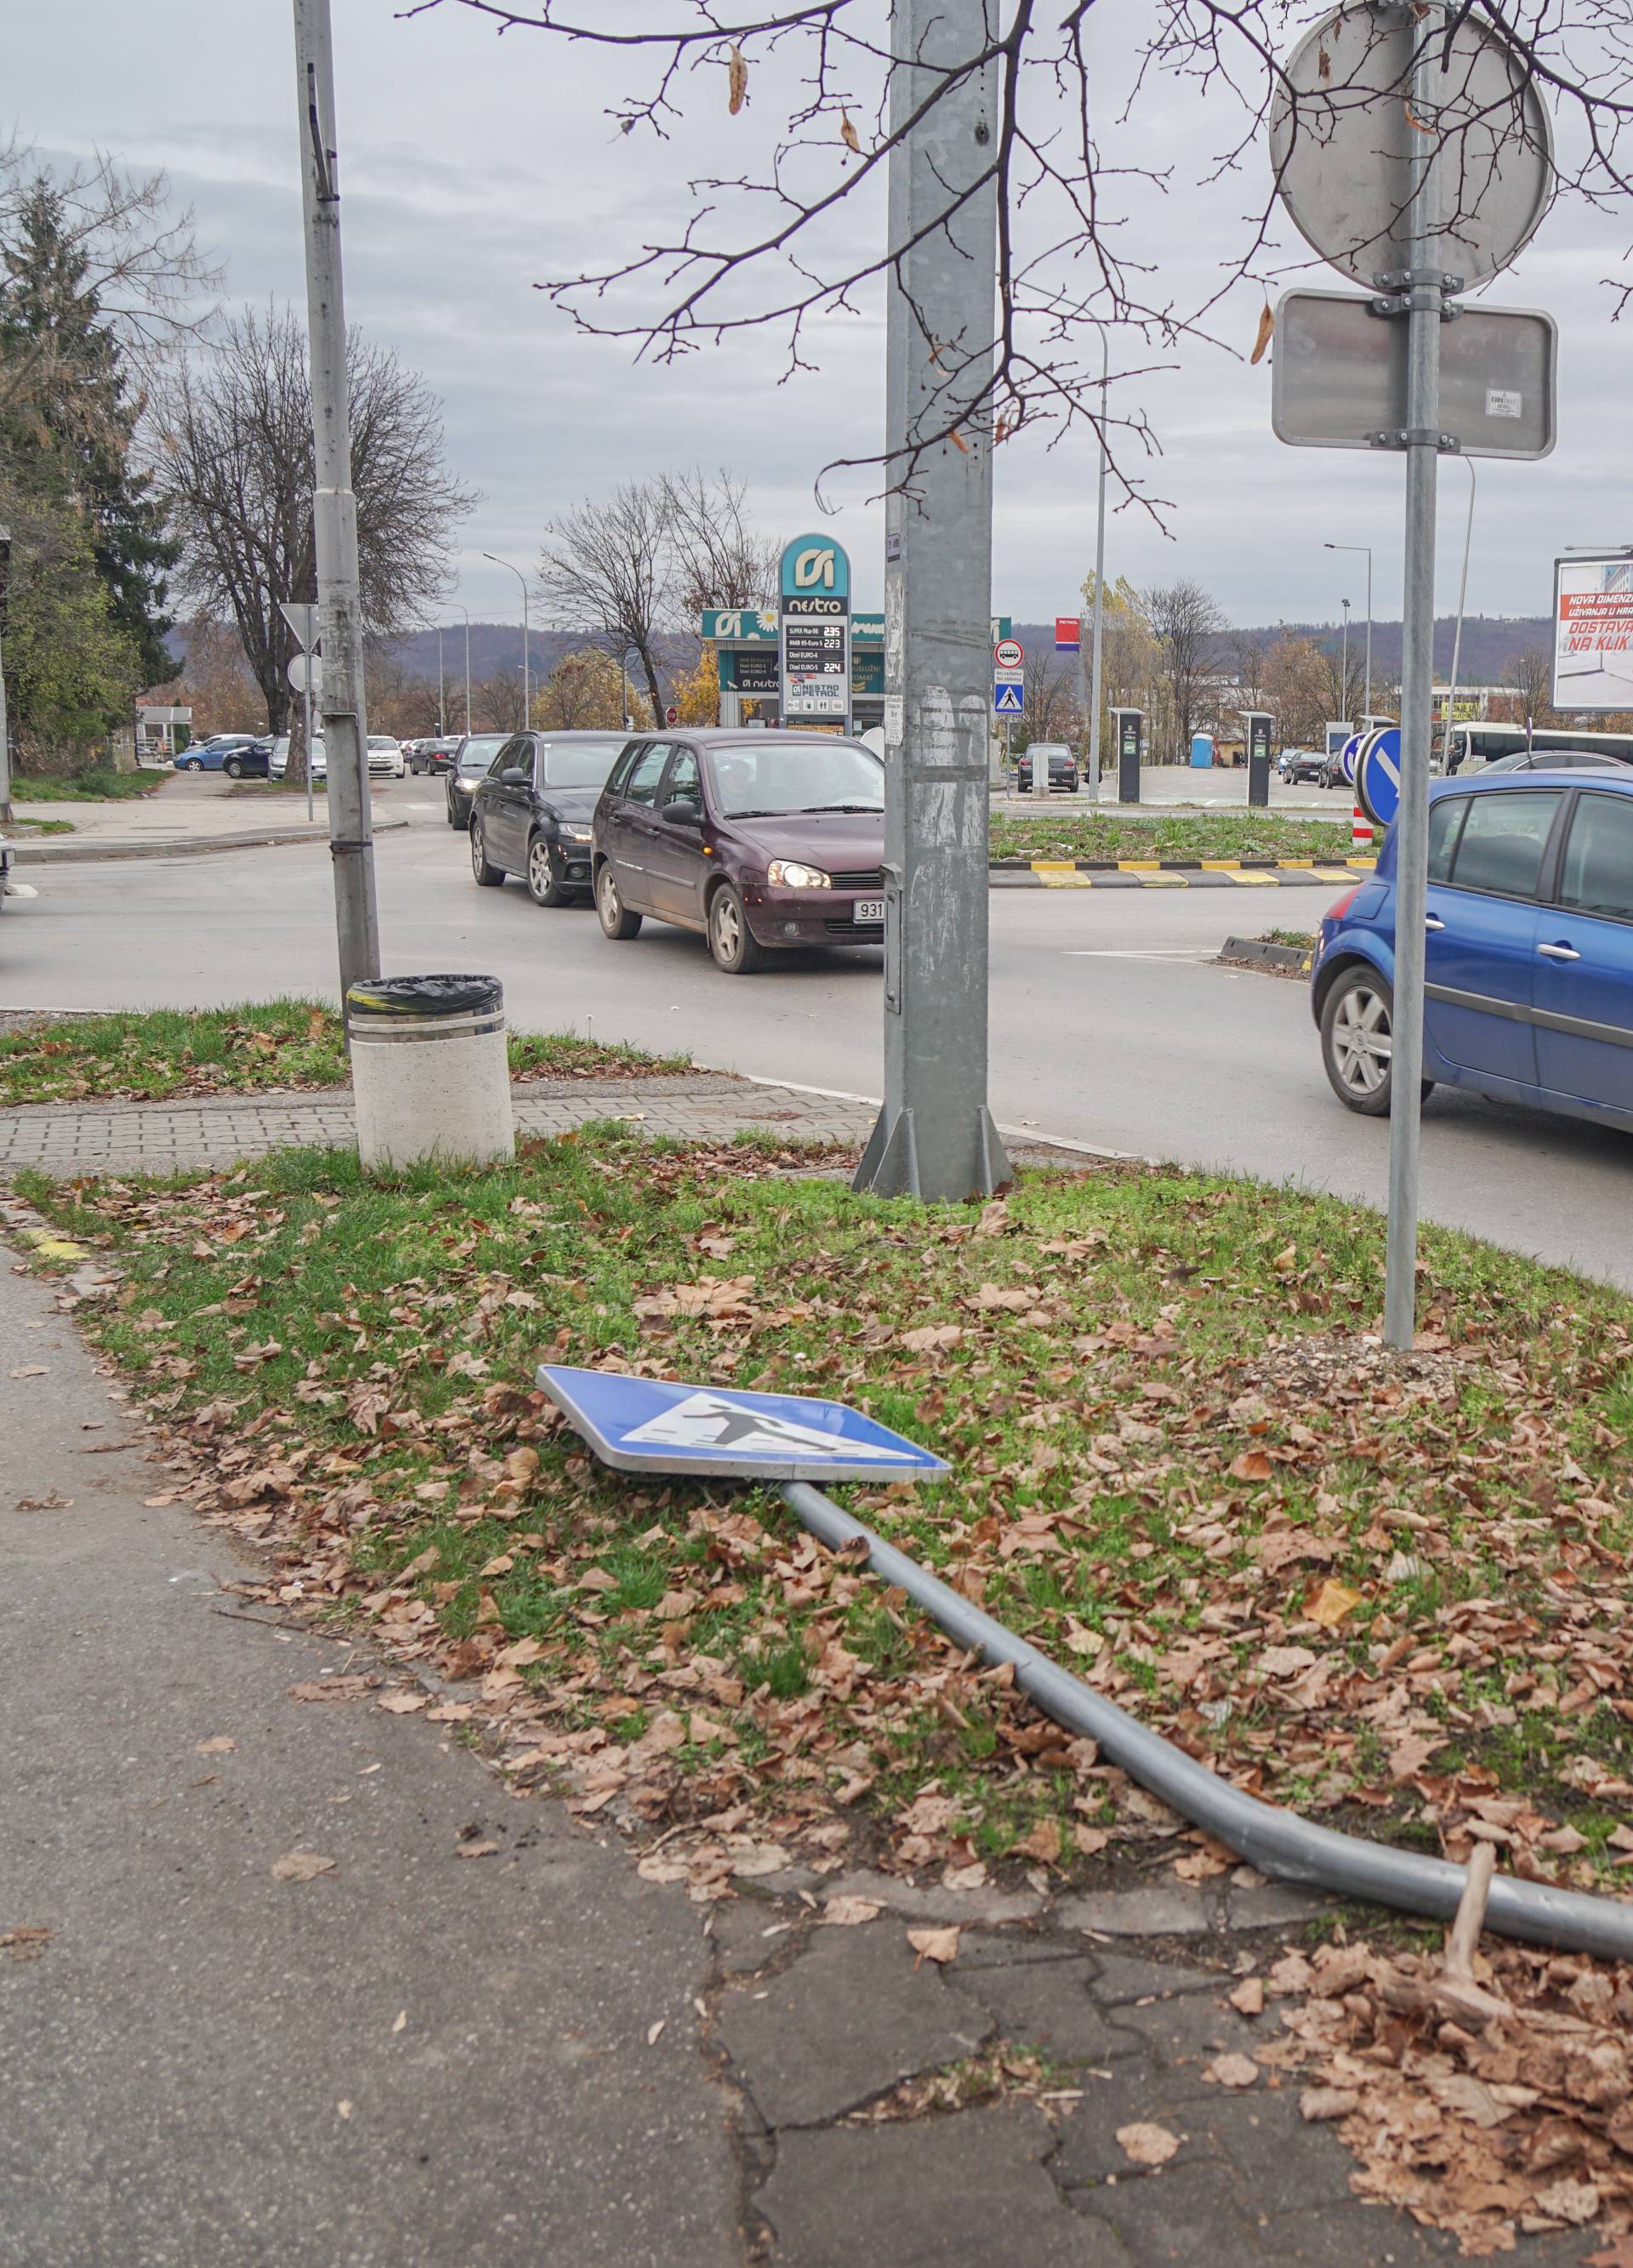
(1405, 145)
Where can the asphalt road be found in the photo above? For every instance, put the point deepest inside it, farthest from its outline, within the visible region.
(1109, 1025)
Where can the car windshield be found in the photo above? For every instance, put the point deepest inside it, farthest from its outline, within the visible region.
(580, 762)
(779, 777)
(478, 753)
(383, 740)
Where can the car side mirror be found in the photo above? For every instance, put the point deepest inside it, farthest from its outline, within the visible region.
(515, 776)
(684, 813)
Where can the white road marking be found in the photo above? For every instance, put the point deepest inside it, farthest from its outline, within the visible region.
(1139, 952)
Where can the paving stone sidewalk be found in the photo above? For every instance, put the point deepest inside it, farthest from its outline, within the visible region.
(163, 1137)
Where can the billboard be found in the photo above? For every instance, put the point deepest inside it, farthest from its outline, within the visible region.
(1594, 632)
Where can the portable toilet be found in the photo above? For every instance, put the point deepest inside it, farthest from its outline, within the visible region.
(1201, 752)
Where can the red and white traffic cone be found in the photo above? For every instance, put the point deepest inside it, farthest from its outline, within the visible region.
(1360, 832)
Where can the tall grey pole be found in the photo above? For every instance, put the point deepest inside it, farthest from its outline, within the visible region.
(5, 737)
(1424, 297)
(466, 612)
(1457, 635)
(345, 722)
(310, 662)
(1096, 688)
(1365, 550)
(442, 717)
(526, 689)
(934, 1136)
(1343, 674)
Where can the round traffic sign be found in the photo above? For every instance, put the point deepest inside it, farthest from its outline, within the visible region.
(671, 715)
(1378, 777)
(1347, 754)
(1342, 130)
(305, 670)
(1008, 653)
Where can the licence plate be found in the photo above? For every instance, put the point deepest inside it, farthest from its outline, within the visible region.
(868, 913)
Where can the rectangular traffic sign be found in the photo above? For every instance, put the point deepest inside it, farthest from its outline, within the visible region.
(649, 1424)
(1340, 376)
(1009, 699)
(1068, 633)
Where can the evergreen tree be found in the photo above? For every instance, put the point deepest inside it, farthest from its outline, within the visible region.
(68, 420)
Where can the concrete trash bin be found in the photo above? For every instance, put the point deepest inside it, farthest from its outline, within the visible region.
(429, 1074)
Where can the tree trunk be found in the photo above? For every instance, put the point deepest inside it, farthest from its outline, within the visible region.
(655, 697)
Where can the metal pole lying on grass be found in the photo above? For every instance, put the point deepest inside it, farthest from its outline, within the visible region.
(1279, 1842)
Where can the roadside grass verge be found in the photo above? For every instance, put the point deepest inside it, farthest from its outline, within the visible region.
(1187, 834)
(88, 787)
(162, 1053)
(22, 827)
(1392, 1591)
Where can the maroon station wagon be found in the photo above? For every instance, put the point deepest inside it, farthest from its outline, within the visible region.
(760, 841)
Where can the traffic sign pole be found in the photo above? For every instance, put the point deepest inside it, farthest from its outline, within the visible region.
(1424, 297)
(934, 1136)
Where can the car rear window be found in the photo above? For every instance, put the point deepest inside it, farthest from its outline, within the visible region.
(1445, 817)
(1598, 877)
(1503, 838)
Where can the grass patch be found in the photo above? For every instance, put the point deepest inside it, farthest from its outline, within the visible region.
(88, 787)
(1396, 1593)
(238, 1050)
(1186, 835)
(20, 826)
(1302, 940)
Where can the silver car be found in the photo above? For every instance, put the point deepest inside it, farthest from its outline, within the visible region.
(317, 761)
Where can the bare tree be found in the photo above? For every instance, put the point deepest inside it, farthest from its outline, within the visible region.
(604, 567)
(1531, 673)
(234, 462)
(496, 703)
(1186, 625)
(798, 93)
(715, 558)
(1050, 697)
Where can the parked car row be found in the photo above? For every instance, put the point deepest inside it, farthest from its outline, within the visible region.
(758, 842)
(240, 756)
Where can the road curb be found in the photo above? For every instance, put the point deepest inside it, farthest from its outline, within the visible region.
(1173, 874)
(59, 853)
(1259, 952)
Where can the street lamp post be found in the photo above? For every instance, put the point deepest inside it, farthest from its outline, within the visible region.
(466, 612)
(527, 682)
(1099, 589)
(1343, 677)
(5, 744)
(1366, 547)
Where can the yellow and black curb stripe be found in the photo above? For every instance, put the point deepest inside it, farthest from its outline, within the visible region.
(1172, 873)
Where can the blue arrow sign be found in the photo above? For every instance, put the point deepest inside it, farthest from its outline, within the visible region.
(1008, 700)
(648, 1424)
(1377, 776)
(1348, 753)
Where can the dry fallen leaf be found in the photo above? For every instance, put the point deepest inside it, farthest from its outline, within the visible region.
(351, 1685)
(475, 1849)
(935, 1944)
(218, 1744)
(402, 2020)
(1232, 2071)
(33, 1370)
(1330, 1603)
(27, 1943)
(1249, 1995)
(1320, 2104)
(1251, 1465)
(845, 1913)
(1145, 2145)
(403, 1701)
(655, 2030)
(1267, 325)
(300, 1867)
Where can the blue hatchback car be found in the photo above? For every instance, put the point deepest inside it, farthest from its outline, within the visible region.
(1529, 975)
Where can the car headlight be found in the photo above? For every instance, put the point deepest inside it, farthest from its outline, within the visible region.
(792, 876)
(465, 786)
(575, 834)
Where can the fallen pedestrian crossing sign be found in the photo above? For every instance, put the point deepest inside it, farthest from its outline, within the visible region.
(648, 1424)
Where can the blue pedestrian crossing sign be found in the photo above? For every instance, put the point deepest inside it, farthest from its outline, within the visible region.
(1377, 776)
(649, 1424)
(1009, 701)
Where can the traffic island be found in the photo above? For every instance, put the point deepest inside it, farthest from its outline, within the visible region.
(1389, 1591)
(1279, 954)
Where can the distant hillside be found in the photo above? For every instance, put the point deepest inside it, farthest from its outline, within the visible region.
(1490, 642)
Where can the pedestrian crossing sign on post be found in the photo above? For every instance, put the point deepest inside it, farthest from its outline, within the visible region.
(649, 1424)
(1008, 700)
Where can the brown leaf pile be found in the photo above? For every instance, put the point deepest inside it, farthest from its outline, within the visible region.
(1490, 2111)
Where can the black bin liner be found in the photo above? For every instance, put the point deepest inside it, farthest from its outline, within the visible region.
(426, 996)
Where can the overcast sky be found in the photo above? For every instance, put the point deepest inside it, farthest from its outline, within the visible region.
(474, 166)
